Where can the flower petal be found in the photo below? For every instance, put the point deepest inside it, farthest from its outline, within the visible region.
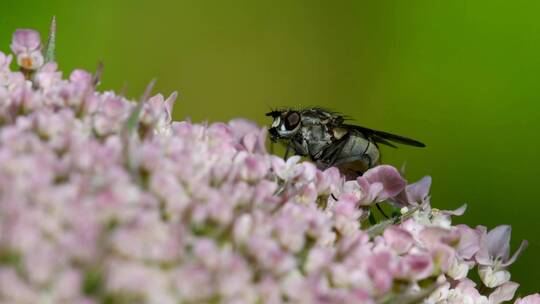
(389, 177)
(419, 191)
(498, 241)
(469, 241)
(492, 278)
(505, 292)
(530, 299)
(25, 40)
(516, 254)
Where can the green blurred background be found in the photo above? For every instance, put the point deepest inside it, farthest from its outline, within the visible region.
(461, 76)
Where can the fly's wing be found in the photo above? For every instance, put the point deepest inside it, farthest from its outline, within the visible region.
(384, 137)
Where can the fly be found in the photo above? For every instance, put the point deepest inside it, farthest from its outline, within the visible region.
(327, 139)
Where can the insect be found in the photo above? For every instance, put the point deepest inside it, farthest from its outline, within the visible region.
(328, 140)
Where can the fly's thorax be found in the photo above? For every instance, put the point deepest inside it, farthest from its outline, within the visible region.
(339, 133)
(316, 139)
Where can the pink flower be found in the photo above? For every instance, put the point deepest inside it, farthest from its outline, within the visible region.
(4, 62)
(380, 267)
(328, 181)
(530, 299)
(289, 169)
(466, 292)
(255, 141)
(438, 241)
(398, 239)
(433, 236)
(242, 127)
(48, 76)
(367, 193)
(416, 266)
(26, 45)
(111, 113)
(495, 247)
(253, 167)
(390, 181)
(494, 255)
(415, 194)
(318, 259)
(346, 214)
(157, 111)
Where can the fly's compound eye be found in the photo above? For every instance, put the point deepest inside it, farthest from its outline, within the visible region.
(292, 120)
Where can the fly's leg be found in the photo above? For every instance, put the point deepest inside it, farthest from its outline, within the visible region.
(332, 161)
(370, 165)
(332, 153)
(287, 150)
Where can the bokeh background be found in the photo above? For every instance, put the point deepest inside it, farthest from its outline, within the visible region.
(461, 76)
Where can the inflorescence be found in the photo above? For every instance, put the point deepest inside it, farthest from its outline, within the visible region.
(105, 200)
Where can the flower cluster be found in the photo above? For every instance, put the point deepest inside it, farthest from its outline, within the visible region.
(105, 200)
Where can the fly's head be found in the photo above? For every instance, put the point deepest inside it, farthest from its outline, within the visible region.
(286, 124)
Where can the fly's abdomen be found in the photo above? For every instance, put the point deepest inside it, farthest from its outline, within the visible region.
(359, 149)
